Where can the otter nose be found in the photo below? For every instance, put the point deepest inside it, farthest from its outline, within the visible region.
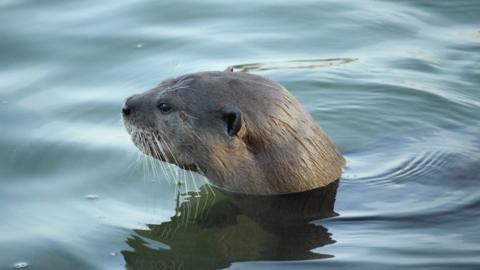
(130, 105)
(126, 110)
(127, 107)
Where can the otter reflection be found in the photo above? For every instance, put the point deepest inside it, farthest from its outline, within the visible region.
(212, 231)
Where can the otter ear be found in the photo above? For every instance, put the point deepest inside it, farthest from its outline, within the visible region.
(233, 118)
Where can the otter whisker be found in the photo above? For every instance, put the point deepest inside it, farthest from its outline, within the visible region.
(168, 148)
(152, 146)
(188, 210)
(177, 211)
(156, 148)
(211, 189)
(163, 154)
(173, 174)
(206, 199)
(192, 176)
(144, 163)
(151, 163)
(146, 144)
(147, 161)
(182, 82)
(208, 202)
(184, 174)
(197, 198)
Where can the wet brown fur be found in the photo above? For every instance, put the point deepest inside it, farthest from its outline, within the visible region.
(278, 149)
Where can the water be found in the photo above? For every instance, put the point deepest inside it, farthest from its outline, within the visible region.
(394, 84)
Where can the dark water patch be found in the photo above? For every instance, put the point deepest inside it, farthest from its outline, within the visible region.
(214, 229)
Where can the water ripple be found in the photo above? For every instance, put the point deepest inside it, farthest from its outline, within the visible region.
(424, 155)
(293, 64)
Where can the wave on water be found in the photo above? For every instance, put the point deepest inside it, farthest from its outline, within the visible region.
(418, 157)
(293, 64)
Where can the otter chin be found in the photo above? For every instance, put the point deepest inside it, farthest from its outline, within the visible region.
(244, 132)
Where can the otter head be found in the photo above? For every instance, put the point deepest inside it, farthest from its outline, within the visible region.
(244, 132)
(182, 124)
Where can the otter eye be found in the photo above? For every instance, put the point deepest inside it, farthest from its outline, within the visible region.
(164, 107)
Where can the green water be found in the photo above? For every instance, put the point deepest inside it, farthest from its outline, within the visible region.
(396, 85)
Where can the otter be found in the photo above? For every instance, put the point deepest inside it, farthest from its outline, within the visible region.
(245, 133)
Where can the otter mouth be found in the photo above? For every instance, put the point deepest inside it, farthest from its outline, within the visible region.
(152, 143)
(149, 142)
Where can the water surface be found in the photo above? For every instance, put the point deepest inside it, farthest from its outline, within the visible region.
(394, 83)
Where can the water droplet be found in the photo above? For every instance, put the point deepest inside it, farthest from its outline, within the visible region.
(113, 253)
(139, 45)
(92, 197)
(20, 265)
